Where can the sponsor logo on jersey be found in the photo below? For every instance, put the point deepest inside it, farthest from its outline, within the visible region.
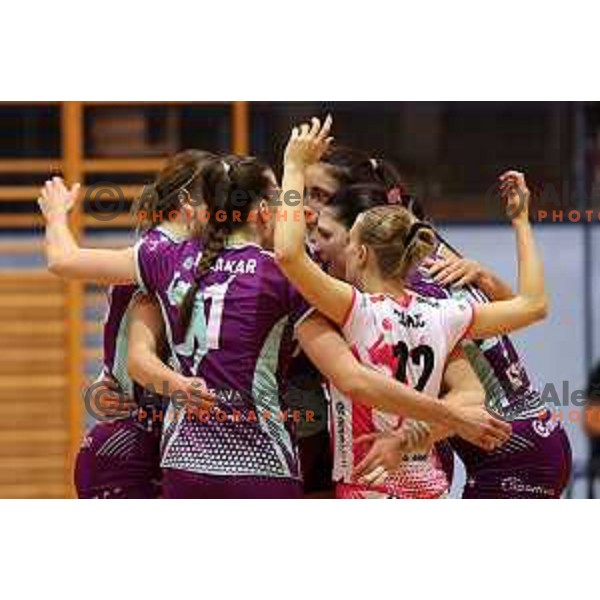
(516, 484)
(340, 417)
(544, 428)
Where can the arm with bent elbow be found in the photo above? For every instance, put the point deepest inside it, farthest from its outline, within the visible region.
(531, 302)
(329, 352)
(146, 330)
(64, 256)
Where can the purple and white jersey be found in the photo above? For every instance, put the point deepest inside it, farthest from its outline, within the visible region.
(116, 324)
(240, 342)
(509, 391)
(116, 321)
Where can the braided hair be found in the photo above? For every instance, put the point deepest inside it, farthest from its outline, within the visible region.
(231, 185)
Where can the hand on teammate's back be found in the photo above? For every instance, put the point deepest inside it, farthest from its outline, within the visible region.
(198, 397)
(109, 402)
(389, 449)
(477, 426)
(454, 271)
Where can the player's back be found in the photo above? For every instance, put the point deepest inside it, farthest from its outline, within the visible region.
(409, 338)
(239, 341)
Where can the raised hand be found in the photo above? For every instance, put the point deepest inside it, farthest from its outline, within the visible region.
(55, 199)
(308, 143)
(514, 191)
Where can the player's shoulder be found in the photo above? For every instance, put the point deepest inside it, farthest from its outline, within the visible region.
(160, 252)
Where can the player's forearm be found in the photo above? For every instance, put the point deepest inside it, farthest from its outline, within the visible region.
(149, 371)
(60, 245)
(494, 287)
(457, 397)
(386, 394)
(290, 228)
(531, 269)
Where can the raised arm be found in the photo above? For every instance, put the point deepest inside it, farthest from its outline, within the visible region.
(329, 295)
(531, 302)
(331, 355)
(64, 256)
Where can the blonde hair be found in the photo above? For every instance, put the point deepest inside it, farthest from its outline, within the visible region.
(398, 240)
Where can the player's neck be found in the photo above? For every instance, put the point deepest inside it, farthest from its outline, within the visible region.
(179, 228)
(245, 235)
(374, 284)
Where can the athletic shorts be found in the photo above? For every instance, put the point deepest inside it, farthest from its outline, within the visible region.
(534, 463)
(117, 460)
(186, 484)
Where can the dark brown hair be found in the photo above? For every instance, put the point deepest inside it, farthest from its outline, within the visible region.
(233, 184)
(179, 181)
(349, 166)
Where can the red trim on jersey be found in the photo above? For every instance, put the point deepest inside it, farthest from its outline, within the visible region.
(349, 312)
(467, 333)
(405, 300)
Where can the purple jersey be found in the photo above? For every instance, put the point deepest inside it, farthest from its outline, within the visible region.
(116, 321)
(240, 342)
(115, 335)
(509, 391)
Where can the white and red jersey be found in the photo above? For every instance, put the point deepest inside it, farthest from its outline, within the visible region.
(409, 338)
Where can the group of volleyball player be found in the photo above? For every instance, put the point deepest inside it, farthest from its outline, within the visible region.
(336, 346)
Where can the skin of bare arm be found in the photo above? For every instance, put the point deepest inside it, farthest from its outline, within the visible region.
(329, 295)
(330, 353)
(462, 388)
(146, 330)
(64, 256)
(531, 303)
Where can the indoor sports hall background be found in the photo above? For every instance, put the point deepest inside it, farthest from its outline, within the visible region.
(449, 153)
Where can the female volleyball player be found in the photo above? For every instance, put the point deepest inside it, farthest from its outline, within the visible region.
(236, 332)
(536, 463)
(119, 457)
(158, 254)
(388, 327)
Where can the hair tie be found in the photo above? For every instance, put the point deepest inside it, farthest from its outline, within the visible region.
(414, 229)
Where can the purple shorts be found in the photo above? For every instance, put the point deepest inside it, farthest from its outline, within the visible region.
(446, 457)
(117, 460)
(534, 463)
(185, 484)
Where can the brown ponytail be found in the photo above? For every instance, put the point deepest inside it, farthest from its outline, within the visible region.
(232, 183)
(214, 242)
